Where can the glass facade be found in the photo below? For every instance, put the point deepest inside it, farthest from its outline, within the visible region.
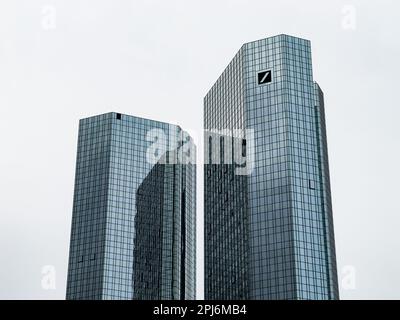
(278, 240)
(134, 220)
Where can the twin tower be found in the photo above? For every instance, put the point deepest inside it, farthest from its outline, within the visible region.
(268, 229)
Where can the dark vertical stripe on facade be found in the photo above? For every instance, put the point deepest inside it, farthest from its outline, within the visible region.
(183, 244)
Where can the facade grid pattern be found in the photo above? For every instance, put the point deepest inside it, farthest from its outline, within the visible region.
(291, 252)
(111, 166)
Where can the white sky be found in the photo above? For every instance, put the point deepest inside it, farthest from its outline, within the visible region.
(64, 60)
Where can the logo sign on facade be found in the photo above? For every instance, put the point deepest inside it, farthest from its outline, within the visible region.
(264, 77)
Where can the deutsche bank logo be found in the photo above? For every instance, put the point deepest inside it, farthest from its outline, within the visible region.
(264, 77)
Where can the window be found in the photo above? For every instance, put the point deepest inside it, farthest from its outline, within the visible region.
(311, 184)
(118, 116)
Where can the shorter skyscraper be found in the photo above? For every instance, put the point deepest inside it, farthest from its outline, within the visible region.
(134, 214)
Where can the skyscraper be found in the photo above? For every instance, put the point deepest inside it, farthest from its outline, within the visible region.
(134, 212)
(268, 231)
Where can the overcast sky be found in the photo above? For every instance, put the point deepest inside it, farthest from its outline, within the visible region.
(64, 60)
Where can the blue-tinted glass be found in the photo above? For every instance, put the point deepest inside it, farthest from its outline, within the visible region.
(285, 249)
(133, 226)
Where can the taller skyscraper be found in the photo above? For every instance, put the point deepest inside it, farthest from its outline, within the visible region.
(268, 229)
(134, 212)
